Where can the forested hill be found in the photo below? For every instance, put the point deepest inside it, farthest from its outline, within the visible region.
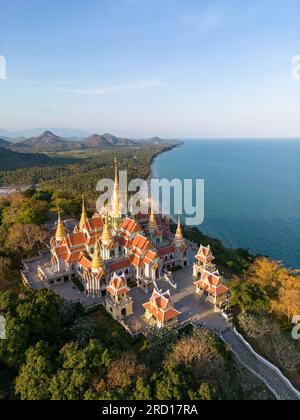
(4, 143)
(10, 160)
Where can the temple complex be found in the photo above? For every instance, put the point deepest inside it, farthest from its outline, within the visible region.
(119, 260)
(140, 248)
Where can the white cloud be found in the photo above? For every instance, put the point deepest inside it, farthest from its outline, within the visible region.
(98, 91)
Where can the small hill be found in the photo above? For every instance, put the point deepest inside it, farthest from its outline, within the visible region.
(106, 141)
(96, 141)
(47, 142)
(118, 141)
(4, 143)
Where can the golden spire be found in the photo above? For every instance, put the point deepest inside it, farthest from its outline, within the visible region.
(116, 212)
(96, 261)
(152, 225)
(106, 235)
(60, 229)
(84, 217)
(179, 236)
(116, 172)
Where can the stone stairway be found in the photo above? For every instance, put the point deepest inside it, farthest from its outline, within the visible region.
(271, 378)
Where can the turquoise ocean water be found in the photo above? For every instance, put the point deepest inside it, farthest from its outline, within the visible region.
(252, 191)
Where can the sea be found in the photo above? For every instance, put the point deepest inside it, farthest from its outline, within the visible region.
(252, 191)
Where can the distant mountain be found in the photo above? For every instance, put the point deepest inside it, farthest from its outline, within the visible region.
(4, 143)
(118, 141)
(106, 140)
(47, 142)
(62, 132)
(96, 141)
(50, 142)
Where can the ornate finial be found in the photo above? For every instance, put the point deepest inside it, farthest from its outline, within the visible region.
(83, 218)
(116, 205)
(179, 236)
(106, 235)
(60, 229)
(116, 171)
(152, 225)
(96, 261)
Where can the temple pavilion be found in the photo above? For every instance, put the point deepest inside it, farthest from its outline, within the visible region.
(208, 280)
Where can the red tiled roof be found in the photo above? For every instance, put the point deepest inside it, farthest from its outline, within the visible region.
(150, 257)
(170, 249)
(91, 240)
(130, 226)
(213, 278)
(119, 265)
(61, 251)
(211, 283)
(118, 286)
(136, 260)
(96, 223)
(74, 257)
(204, 254)
(76, 239)
(141, 242)
(85, 262)
(161, 307)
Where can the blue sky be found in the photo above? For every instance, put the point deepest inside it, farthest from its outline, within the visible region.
(193, 68)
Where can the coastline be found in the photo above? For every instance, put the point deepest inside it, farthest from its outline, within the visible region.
(240, 257)
(149, 175)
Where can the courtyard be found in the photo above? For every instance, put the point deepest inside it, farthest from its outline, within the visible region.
(193, 308)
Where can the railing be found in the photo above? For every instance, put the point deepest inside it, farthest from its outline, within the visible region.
(267, 364)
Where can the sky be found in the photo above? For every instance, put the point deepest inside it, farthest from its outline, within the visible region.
(173, 68)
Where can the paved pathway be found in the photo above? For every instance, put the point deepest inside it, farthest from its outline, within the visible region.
(268, 375)
(271, 378)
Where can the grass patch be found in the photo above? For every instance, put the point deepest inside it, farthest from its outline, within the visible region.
(114, 335)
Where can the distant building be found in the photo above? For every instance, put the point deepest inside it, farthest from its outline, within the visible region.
(208, 281)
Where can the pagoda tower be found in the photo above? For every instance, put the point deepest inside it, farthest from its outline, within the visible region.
(180, 246)
(60, 229)
(107, 234)
(116, 215)
(97, 260)
(84, 217)
(179, 239)
(154, 234)
(152, 225)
